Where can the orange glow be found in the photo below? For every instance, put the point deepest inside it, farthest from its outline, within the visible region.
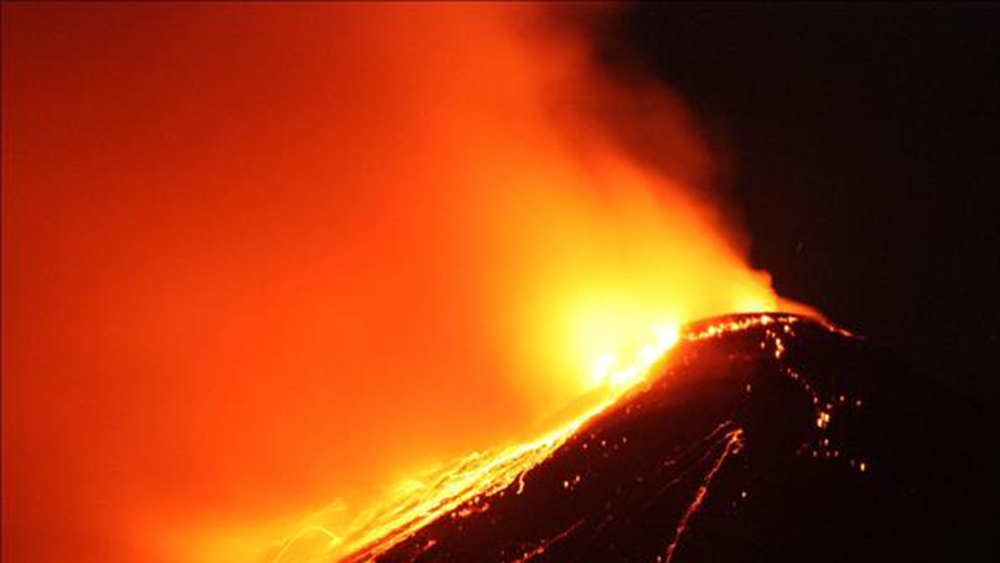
(262, 260)
(416, 503)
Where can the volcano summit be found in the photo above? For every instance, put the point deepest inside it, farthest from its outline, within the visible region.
(758, 437)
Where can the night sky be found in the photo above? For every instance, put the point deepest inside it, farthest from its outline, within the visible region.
(860, 145)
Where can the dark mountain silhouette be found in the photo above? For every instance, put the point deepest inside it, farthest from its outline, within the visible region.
(758, 437)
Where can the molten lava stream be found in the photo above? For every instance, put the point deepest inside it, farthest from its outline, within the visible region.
(472, 478)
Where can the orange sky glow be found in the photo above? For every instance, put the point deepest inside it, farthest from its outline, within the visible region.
(263, 260)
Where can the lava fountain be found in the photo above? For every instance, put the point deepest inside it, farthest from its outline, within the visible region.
(267, 260)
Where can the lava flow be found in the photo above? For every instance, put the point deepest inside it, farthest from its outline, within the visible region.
(466, 486)
(758, 437)
(468, 481)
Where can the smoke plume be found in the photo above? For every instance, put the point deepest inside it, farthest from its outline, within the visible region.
(259, 259)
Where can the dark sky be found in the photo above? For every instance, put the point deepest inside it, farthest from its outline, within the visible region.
(861, 144)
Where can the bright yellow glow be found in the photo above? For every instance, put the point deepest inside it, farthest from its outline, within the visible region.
(617, 373)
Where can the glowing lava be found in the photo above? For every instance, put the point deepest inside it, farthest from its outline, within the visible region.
(469, 485)
(468, 481)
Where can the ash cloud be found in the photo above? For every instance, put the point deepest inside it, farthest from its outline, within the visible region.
(260, 257)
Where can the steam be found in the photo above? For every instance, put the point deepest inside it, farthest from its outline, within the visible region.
(345, 243)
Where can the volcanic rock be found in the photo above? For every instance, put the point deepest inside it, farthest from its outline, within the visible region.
(757, 438)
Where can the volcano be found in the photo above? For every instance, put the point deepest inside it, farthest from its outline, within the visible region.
(757, 437)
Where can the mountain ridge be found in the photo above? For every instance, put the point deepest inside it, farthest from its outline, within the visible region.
(758, 435)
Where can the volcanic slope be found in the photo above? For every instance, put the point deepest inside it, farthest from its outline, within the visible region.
(758, 437)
